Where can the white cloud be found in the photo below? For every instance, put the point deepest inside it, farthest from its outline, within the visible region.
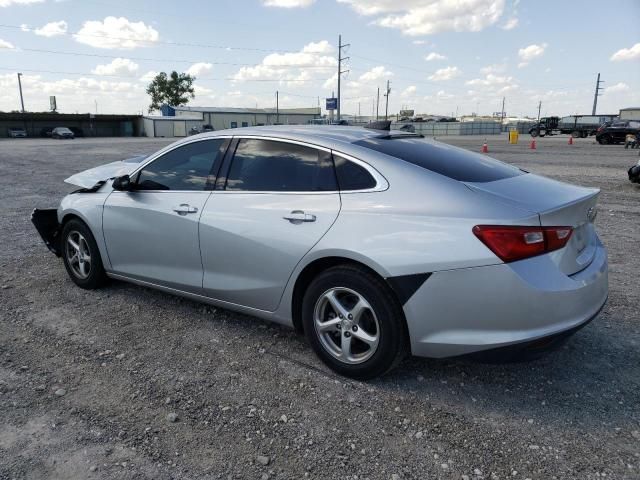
(510, 24)
(287, 3)
(490, 80)
(419, 42)
(434, 56)
(291, 68)
(376, 73)
(8, 3)
(446, 73)
(427, 17)
(199, 68)
(119, 66)
(617, 88)
(75, 94)
(116, 32)
(625, 54)
(527, 54)
(4, 44)
(409, 91)
(51, 29)
(147, 77)
(495, 68)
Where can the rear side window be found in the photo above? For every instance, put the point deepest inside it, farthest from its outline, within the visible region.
(352, 176)
(184, 168)
(271, 166)
(451, 162)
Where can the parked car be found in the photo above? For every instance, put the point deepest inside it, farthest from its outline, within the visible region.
(17, 132)
(207, 128)
(193, 131)
(374, 243)
(62, 132)
(617, 132)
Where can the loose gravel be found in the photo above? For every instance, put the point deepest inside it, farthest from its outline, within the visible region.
(131, 383)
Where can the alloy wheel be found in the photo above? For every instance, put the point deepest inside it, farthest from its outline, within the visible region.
(78, 254)
(346, 325)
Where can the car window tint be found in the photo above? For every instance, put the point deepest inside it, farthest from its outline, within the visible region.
(271, 166)
(352, 176)
(184, 168)
(451, 162)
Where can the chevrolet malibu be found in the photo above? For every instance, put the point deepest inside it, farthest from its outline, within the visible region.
(374, 243)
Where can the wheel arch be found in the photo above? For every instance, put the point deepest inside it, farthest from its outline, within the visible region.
(321, 264)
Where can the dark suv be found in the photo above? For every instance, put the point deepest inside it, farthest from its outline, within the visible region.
(617, 131)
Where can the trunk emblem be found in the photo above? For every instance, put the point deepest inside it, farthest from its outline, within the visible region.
(592, 213)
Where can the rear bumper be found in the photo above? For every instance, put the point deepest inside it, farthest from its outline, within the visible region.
(458, 312)
(46, 223)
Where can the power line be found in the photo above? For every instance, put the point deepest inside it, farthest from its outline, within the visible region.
(160, 42)
(98, 55)
(130, 77)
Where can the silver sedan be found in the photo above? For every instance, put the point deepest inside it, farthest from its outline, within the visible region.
(373, 243)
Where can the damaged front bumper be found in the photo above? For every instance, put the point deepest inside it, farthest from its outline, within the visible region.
(46, 222)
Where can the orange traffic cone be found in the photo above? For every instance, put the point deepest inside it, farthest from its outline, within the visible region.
(532, 145)
(570, 140)
(485, 147)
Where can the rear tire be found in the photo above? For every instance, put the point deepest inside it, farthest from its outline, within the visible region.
(354, 323)
(534, 133)
(81, 255)
(576, 134)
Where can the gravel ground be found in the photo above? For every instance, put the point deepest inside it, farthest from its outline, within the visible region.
(127, 382)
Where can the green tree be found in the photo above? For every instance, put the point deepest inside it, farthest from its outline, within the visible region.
(174, 90)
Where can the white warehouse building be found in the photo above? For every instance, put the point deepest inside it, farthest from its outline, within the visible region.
(177, 121)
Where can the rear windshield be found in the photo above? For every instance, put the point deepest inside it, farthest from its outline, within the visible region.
(451, 162)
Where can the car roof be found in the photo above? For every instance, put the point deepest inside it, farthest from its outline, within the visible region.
(322, 135)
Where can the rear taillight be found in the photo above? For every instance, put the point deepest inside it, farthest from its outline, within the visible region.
(516, 243)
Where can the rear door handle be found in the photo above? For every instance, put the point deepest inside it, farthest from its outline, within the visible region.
(298, 216)
(184, 208)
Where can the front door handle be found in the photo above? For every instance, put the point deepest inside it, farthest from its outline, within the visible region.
(185, 208)
(298, 216)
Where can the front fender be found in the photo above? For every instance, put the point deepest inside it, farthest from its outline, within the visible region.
(88, 207)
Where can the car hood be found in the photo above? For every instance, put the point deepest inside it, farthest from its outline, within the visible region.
(89, 178)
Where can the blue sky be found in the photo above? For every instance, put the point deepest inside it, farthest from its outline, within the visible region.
(441, 56)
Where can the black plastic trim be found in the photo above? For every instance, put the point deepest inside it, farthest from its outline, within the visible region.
(406, 285)
(46, 223)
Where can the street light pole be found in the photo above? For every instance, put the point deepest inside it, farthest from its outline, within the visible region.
(20, 87)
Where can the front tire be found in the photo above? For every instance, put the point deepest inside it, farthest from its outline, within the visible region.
(81, 255)
(353, 322)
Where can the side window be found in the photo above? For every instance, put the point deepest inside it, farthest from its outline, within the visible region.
(271, 166)
(352, 176)
(234, 124)
(184, 168)
(245, 124)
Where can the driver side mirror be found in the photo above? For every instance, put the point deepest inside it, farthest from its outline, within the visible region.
(122, 183)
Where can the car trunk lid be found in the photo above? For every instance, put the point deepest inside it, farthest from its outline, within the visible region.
(557, 204)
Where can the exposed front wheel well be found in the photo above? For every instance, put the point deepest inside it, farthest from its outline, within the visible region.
(313, 270)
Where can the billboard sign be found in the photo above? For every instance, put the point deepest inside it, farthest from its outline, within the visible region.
(406, 113)
(332, 104)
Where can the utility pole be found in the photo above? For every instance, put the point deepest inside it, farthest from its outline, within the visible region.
(20, 87)
(378, 104)
(386, 108)
(277, 107)
(539, 107)
(502, 111)
(340, 71)
(597, 94)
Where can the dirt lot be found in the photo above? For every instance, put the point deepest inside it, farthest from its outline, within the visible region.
(88, 379)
